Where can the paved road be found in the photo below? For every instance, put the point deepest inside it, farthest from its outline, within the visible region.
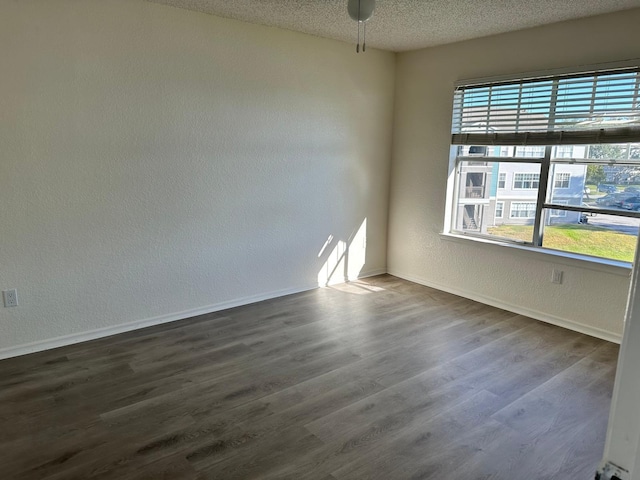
(620, 224)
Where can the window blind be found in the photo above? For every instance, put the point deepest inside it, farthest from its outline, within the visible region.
(590, 108)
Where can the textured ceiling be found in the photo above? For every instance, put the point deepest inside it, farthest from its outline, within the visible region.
(400, 25)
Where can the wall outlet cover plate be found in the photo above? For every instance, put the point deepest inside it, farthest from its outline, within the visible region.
(611, 471)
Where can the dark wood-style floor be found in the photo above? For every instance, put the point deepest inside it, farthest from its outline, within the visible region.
(378, 379)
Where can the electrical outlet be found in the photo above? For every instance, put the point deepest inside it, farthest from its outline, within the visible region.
(556, 276)
(10, 298)
(611, 471)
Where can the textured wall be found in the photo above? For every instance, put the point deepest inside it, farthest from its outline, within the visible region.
(157, 161)
(502, 276)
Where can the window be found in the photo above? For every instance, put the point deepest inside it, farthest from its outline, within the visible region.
(564, 151)
(560, 140)
(523, 210)
(559, 213)
(475, 185)
(562, 180)
(526, 180)
(476, 150)
(530, 152)
(502, 180)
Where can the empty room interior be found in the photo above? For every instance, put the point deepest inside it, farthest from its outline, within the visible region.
(342, 239)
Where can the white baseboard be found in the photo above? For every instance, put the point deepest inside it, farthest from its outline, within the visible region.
(172, 317)
(138, 324)
(372, 273)
(74, 338)
(527, 312)
(335, 280)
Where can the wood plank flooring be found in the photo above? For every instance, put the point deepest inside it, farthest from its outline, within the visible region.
(376, 379)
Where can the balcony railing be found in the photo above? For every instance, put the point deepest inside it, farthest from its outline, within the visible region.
(469, 222)
(474, 192)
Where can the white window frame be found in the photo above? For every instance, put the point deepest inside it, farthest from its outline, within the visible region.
(529, 152)
(567, 181)
(552, 138)
(501, 210)
(557, 213)
(502, 179)
(531, 181)
(528, 217)
(564, 151)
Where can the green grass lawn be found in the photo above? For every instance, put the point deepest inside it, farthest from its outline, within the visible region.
(585, 239)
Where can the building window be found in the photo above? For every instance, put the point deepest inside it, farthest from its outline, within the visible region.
(558, 139)
(502, 180)
(526, 181)
(523, 210)
(564, 151)
(562, 180)
(530, 152)
(559, 213)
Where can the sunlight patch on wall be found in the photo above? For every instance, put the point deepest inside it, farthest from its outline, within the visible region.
(326, 244)
(357, 253)
(346, 260)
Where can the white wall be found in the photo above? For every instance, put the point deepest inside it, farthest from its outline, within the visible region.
(589, 300)
(157, 163)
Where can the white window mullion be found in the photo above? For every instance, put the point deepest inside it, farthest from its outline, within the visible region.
(538, 225)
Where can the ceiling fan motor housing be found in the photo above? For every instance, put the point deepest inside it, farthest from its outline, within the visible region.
(361, 10)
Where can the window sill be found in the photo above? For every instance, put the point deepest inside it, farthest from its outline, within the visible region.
(613, 267)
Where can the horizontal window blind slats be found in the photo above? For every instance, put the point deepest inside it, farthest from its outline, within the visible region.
(599, 109)
(510, 115)
(550, 110)
(579, 137)
(610, 85)
(610, 108)
(513, 113)
(483, 99)
(548, 79)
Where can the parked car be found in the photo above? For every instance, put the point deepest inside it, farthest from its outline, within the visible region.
(635, 190)
(606, 201)
(613, 200)
(631, 203)
(607, 188)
